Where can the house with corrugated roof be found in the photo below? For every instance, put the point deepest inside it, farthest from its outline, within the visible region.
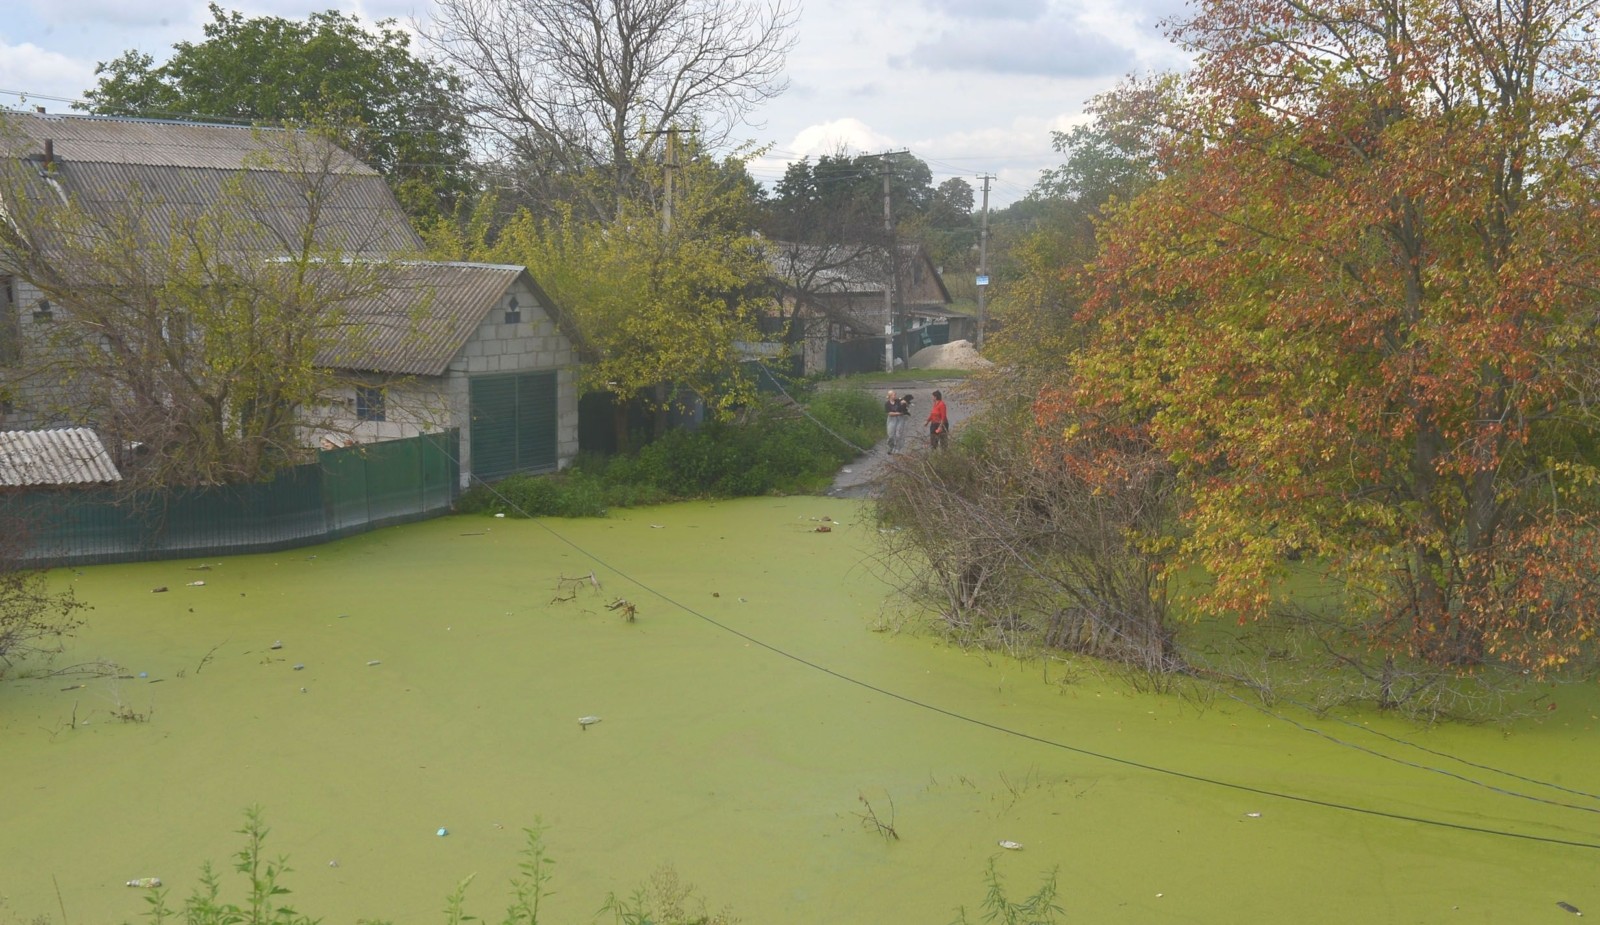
(485, 354)
(445, 346)
(839, 302)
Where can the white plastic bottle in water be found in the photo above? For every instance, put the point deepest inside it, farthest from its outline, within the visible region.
(145, 883)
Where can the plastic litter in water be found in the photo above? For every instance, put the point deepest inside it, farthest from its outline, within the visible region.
(1011, 845)
(144, 674)
(145, 883)
(442, 832)
(299, 666)
(374, 662)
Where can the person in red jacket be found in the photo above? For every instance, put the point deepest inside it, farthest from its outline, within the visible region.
(938, 423)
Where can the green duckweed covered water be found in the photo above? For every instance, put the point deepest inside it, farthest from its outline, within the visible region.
(743, 768)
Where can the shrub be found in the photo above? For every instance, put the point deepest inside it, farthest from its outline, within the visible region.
(777, 449)
(33, 619)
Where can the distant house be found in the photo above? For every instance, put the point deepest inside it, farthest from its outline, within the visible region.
(450, 345)
(481, 351)
(840, 301)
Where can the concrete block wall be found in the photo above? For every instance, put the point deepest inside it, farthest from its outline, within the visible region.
(533, 344)
(43, 393)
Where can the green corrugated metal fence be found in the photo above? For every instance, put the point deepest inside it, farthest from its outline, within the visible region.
(346, 491)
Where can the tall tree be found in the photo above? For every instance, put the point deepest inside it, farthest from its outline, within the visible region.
(658, 308)
(404, 112)
(569, 86)
(1357, 313)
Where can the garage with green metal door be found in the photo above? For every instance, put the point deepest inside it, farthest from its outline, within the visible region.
(513, 424)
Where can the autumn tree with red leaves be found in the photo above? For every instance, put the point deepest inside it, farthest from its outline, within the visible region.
(1358, 314)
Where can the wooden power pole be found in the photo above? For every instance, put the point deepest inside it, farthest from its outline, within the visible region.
(983, 263)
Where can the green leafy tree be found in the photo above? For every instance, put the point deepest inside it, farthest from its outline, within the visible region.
(655, 308)
(404, 112)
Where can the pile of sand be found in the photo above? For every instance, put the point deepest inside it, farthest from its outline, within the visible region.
(958, 354)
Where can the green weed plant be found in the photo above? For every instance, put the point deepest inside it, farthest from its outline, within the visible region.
(776, 450)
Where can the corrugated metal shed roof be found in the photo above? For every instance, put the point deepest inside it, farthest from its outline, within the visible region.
(66, 456)
(175, 171)
(417, 326)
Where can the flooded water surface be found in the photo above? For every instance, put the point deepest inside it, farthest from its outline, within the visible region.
(752, 722)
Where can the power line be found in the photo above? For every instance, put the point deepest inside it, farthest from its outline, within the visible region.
(1026, 736)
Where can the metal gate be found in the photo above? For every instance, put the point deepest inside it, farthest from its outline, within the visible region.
(513, 424)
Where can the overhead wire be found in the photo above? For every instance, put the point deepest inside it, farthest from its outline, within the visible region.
(1027, 736)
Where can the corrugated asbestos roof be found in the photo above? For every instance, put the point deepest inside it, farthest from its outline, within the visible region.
(158, 143)
(418, 325)
(839, 268)
(68, 456)
(173, 172)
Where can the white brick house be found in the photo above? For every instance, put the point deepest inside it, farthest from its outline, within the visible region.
(483, 353)
(449, 345)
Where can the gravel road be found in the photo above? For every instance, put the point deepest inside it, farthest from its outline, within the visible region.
(859, 478)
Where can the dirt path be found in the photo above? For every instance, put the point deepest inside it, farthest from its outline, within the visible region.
(859, 478)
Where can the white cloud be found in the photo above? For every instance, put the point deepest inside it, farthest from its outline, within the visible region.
(829, 137)
(1053, 48)
(28, 67)
(991, 9)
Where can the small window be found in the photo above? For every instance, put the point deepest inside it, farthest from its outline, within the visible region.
(42, 310)
(513, 312)
(369, 403)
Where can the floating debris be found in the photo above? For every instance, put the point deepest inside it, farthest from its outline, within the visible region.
(197, 584)
(374, 662)
(145, 883)
(158, 590)
(334, 863)
(442, 832)
(657, 527)
(1569, 907)
(1011, 845)
(501, 515)
(73, 687)
(276, 645)
(823, 528)
(199, 568)
(584, 722)
(1253, 815)
(299, 666)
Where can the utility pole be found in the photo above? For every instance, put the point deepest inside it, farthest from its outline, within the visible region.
(670, 165)
(983, 262)
(891, 290)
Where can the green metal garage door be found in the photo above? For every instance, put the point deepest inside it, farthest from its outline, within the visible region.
(513, 424)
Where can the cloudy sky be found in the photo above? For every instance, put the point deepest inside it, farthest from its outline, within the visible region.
(970, 86)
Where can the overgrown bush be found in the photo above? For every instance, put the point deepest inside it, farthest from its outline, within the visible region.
(1017, 551)
(33, 619)
(775, 449)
